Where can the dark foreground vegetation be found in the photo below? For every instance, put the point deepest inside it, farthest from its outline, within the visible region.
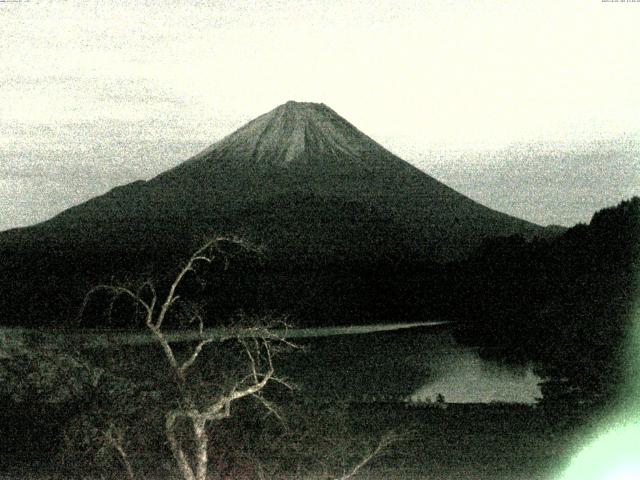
(66, 411)
(461, 442)
(562, 306)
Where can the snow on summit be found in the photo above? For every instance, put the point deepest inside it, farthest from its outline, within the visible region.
(294, 132)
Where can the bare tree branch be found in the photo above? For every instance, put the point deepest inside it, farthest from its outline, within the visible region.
(386, 440)
(115, 440)
(116, 291)
(182, 371)
(271, 408)
(171, 296)
(284, 382)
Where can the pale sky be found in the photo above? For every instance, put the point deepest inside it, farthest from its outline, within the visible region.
(530, 107)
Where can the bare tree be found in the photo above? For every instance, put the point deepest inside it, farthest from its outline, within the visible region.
(197, 404)
(258, 344)
(385, 441)
(324, 447)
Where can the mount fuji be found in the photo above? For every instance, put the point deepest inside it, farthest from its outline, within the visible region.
(300, 180)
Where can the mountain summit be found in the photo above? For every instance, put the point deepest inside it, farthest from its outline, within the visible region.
(299, 180)
(292, 133)
(296, 132)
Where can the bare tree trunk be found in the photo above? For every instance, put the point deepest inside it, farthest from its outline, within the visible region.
(181, 459)
(257, 347)
(202, 444)
(115, 439)
(125, 461)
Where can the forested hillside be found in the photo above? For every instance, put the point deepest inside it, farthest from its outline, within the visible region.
(565, 304)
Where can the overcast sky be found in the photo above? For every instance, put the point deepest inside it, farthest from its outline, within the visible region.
(532, 108)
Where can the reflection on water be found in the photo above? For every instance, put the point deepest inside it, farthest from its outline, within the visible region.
(463, 377)
(405, 364)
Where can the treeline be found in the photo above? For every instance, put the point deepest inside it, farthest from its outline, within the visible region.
(564, 305)
(45, 283)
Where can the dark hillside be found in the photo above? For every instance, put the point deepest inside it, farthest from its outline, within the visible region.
(565, 304)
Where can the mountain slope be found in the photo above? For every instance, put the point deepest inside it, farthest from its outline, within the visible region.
(299, 180)
(296, 166)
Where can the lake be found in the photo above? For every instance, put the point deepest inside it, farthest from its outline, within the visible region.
(412, 361)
